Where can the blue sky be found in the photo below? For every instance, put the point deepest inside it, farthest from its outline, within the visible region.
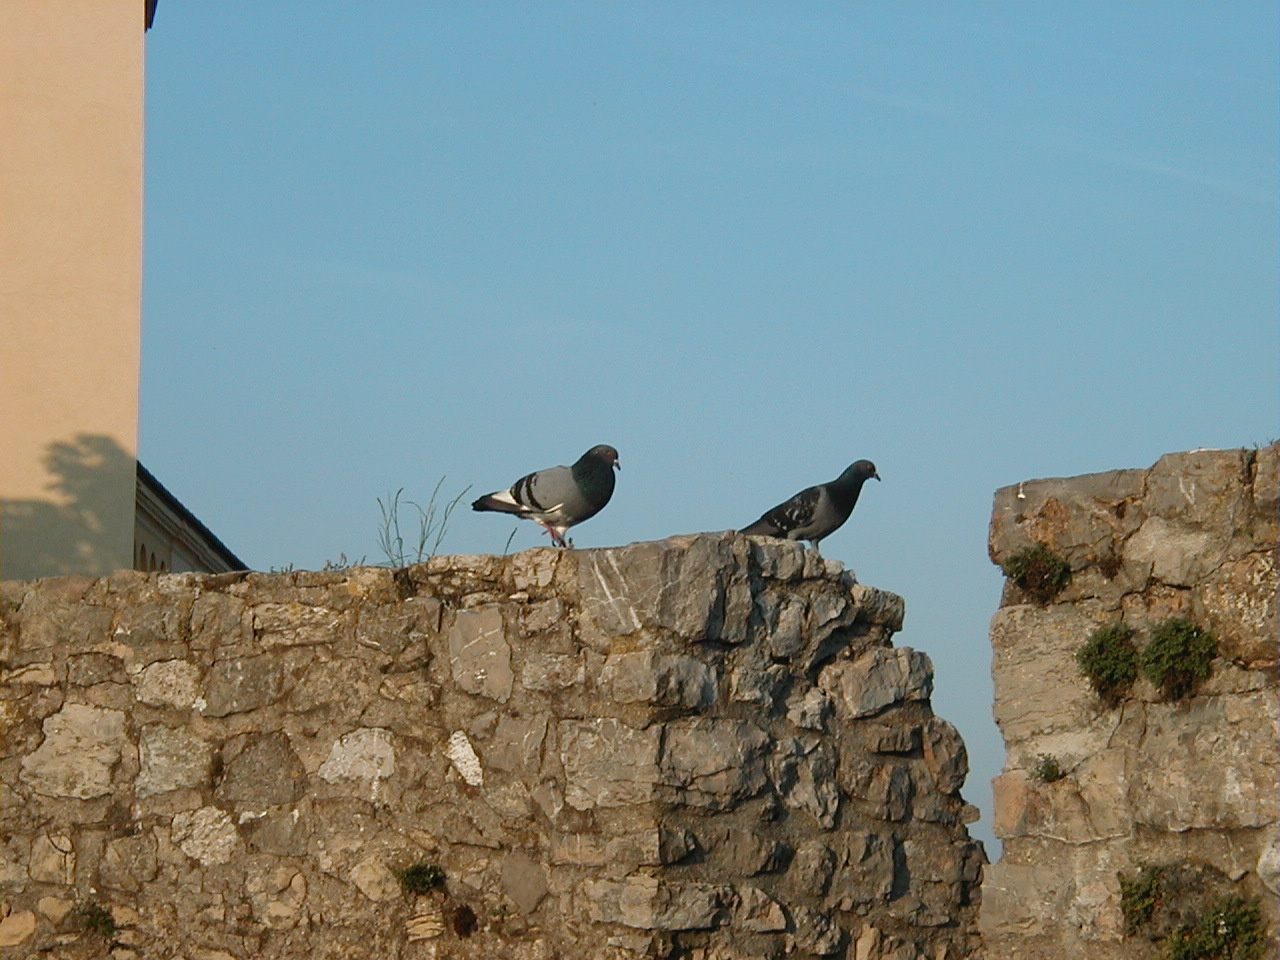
(746, 244)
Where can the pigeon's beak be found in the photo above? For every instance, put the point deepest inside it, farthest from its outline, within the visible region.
(617, 464)
(876, 475)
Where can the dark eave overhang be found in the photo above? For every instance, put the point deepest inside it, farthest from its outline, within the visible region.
(147, 479)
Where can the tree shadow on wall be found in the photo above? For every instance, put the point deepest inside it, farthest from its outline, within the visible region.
(77, 529)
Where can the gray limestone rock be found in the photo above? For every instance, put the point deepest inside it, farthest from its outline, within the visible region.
(516, 744)
(881, 677)
(644, 676)
(365, 754)
(172, 758)
(714, 763)
(693, 586)
(547, 672)
(265, 773)
(607, 763)
(479, 654)
(207, 835)
(648, 903)
(1186, 786)
(804, 777)
(524, 881)
(810, 710)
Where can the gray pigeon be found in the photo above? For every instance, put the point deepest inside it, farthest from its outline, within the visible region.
(560, 497)
(818, 511)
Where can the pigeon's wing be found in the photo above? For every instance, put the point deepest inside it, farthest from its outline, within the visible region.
(548, 494)
(788, 516)
(539, 495)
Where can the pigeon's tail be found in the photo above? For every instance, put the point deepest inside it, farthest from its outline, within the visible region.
(500, 502)
(761, 528)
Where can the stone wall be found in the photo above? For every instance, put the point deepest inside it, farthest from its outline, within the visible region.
(1187, 787)
(705, 747)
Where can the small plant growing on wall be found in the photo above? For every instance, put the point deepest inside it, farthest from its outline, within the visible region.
(94, 918)
(1138, 899)
(432, 523)
(1047, 769)
(1109, 660)
(1038, 572)
(1231, 929)
(420, 878)
(1178, 657)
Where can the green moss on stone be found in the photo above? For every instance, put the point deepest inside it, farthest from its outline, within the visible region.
(1047, 769)
(1109, 660)
(421, 877)
(1138, 898)
(1038, 572)
(1179, 657)
(95, 918)
(1231, 929)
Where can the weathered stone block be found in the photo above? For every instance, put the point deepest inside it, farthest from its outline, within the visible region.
(645, 676)
(479, 655)
(265, 773)
(648, 903)
(394, 628)
(297, 624)
(89, 669)
(1081, 517)
(1178, 553)
(168, 683)
(170, 759)
(516, 744)
(758, 912)
(206, 835)
(523, 881)
(17, 927)
(804, 777)
(547, 672)
(1237, 602)
(743, 853)
(1038, 684)
(713, 763)
(52, 860)
(878, 679)
(945, 756)
(810, 710)
(1192, 738)
(82, 745)
(1144, 781)
(282, 831)
(608, 763)
(129, 862)
(241, 684)
(366, 754)
(694, 586)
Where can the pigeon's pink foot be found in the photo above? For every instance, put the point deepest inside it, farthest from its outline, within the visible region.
(556, 539)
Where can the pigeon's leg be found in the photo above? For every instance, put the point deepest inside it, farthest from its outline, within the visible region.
(556, 539)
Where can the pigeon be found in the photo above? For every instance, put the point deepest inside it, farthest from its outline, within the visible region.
(560, 497)
(817, 511)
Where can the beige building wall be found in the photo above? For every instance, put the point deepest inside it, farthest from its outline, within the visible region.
(71, 150)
